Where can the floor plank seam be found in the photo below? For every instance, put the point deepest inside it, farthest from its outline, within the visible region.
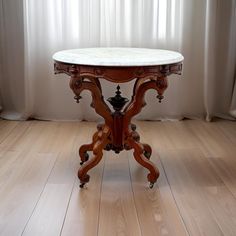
(67, 207)
(135, 204)
(225, 134)
(39, 196)
(215, 219)
(222, 131)
(174, 197)
(13, 129)
(222, 180)
(72, 189)
(99, 206)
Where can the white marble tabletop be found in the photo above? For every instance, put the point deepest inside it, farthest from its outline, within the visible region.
(118, 56)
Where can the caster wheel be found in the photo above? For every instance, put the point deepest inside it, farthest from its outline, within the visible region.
(86, 157)
(82, 185)
(151, 185)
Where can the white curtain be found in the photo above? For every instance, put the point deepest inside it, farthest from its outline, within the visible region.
(202, 30)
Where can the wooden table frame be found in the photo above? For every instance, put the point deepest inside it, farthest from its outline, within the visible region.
(117, 133)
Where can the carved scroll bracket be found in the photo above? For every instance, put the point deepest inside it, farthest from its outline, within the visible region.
(138, 98)
(78, 84)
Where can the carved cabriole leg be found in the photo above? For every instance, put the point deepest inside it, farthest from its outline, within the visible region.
(147, 150)
(83, 151)
(135, 136)
(101, 137)
(97, 155)
(142, 152)
(142, 160)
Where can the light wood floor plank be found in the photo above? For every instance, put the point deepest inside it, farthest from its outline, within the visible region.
(6, 127)
(15, 164)
(214, 142)
(227, 127)
(168, 134)
(200, 193)
(16, 134)
(154, 130)
(7, 160)
(225, 167)
(21, 191)
(48, 216)
(118, 214)
(83, 210)
(33, 136)
(27, 137)
(157, 210)
(195, 194)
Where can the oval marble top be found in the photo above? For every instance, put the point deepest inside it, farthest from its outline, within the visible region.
(118, 56)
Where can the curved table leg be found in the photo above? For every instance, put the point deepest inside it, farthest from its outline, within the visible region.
(145, 162)
(147, 150)
(98, 147)
(78, 84)
(83, 151)
(142, 152)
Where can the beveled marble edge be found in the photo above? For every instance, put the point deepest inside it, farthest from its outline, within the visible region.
(118, 57)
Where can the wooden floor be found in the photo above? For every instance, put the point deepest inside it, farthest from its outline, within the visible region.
(195, 194)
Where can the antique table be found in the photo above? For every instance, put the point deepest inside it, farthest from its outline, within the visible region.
(149, 68)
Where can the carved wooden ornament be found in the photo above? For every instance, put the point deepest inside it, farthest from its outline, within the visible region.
(117, 133)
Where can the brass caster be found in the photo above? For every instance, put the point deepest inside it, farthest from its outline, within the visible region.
(151, 185)
(82, 185)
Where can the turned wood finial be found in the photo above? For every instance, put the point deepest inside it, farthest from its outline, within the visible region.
(117, 101)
